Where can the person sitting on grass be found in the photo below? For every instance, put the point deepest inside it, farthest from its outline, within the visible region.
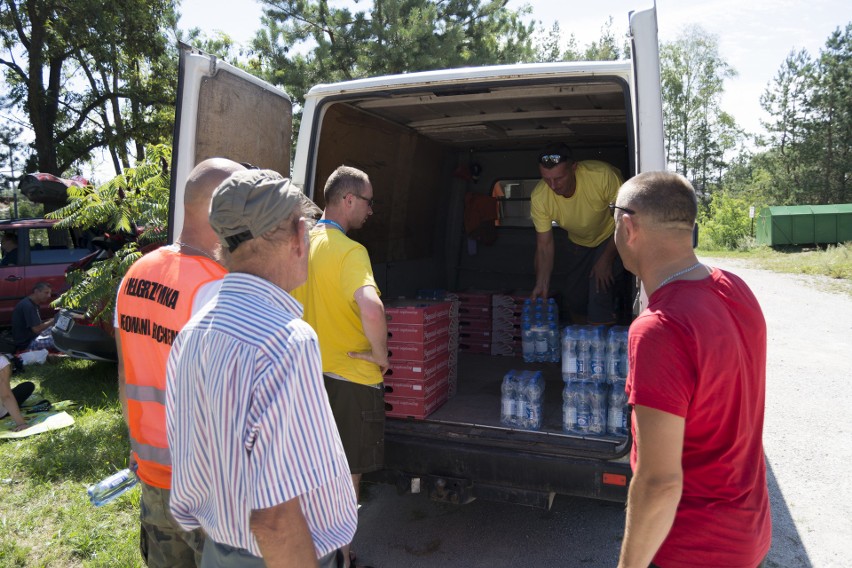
(28, 331)
(12, 398)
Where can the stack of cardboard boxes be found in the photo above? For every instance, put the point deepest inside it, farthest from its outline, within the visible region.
(506, 312)
(420, 343)
(475, 322)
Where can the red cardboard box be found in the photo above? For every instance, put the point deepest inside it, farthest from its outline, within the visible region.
(418, 370)
(467, 311)
(475, 347)
(419, 408)
(415, 388)
(417, 312)
(406, 332)
(418, 351)
(479, 324)
(474, 298)
(475, 336)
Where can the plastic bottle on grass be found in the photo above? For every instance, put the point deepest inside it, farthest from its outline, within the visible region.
(111, 487)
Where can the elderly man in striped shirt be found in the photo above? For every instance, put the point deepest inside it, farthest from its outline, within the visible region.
(257, 460)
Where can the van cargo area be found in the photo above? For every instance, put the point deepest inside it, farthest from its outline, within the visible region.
(452, 170)
(453, 160)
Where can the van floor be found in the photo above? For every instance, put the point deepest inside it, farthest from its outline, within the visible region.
(477, 399)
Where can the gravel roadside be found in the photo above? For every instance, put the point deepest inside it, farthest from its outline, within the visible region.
(808, 422)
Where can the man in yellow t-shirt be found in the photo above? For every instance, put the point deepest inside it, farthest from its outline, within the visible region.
(576, 196)
(342, 304)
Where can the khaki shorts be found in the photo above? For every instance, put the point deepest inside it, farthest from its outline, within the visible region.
(359, 412)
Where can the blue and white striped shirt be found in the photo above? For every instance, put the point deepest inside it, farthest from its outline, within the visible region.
(249, 424)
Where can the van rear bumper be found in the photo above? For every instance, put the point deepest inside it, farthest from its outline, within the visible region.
(461, 463)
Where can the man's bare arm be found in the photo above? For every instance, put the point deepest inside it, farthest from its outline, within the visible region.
(656, 486)
(283, 535)
(375, 326)
(544, 253)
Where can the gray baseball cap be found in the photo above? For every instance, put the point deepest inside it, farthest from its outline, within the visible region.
(250, 203)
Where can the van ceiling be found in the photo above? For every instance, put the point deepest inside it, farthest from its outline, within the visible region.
(590, 113)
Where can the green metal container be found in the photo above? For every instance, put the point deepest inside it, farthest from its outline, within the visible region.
(804, 224)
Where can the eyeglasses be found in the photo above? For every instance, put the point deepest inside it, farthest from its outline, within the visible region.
(551, 160)
(613, 207)
(369, 201)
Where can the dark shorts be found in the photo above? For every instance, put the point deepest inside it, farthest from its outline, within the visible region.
(21, 392)
(580, 294)
(359, 411)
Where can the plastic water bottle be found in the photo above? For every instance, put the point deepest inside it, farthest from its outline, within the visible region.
(584, 409)
(616, 422)
(540, 334)
(553, 347)
(532, 394)
(598, 391)
(527, 341)
(613, 354)
(570, 394)
(521, 400)
(597, 354)
(111, 487)
(553, 309)
(508, 402)
(569, 353)
(623, 366)
(584, 353)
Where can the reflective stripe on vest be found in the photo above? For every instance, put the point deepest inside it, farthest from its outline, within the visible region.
(153, 304)
(146, 453)
(145, 394)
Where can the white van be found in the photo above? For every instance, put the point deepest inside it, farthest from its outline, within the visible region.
(427, 140)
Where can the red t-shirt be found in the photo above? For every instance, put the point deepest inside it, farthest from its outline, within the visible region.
(699, 352)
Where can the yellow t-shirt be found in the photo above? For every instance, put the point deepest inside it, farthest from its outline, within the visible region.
(585, 215)
(337, 268)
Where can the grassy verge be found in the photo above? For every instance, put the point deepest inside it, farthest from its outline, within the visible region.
(834, 262)
(46, 517)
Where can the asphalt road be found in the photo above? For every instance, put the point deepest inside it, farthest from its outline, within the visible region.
(807, 442)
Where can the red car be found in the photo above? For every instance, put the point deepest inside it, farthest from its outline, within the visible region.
(34, 250)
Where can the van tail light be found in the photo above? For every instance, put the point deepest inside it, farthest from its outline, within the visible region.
(615, 479)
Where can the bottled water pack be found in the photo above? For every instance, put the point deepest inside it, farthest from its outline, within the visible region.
(540, 331)
(521, 400)
(594, 369)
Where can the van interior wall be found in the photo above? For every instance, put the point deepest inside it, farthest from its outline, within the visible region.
(409, 174)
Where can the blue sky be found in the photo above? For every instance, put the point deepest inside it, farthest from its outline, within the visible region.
(755, 36)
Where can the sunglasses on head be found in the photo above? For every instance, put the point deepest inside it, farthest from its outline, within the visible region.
(551, 160)
(613, 207)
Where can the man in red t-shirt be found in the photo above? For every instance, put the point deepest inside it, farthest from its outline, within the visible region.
(697, 380)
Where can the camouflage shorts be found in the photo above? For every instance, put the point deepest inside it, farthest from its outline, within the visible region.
(162, 542)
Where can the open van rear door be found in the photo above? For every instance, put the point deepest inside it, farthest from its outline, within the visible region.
(223, 111)
(647, 94)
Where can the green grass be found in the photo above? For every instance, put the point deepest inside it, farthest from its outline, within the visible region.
(45, 516)
(834, 262)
